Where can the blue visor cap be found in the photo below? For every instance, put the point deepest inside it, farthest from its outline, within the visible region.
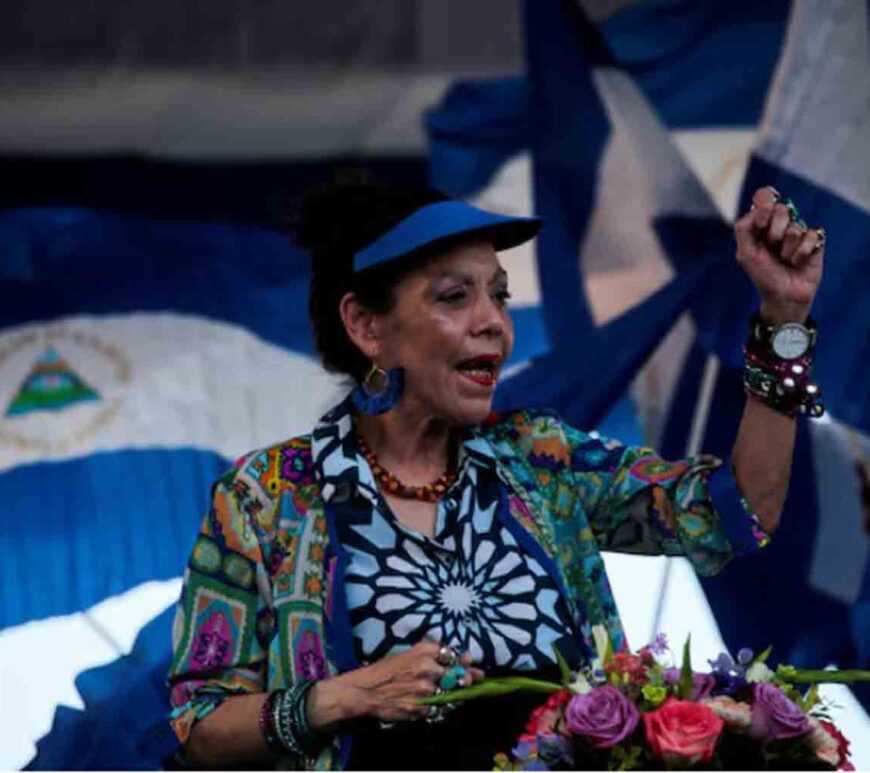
(444, 220)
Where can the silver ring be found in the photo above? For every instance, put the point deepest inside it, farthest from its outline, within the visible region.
(446, 656)
(436, 714)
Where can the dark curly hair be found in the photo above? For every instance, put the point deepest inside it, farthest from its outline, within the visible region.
(333, 225)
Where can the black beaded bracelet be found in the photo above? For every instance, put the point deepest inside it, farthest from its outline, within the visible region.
(267, 724)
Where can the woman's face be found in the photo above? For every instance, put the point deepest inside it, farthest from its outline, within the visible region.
(451, 331)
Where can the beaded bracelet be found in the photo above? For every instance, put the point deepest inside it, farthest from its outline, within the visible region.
(784, 385)
(267, 725)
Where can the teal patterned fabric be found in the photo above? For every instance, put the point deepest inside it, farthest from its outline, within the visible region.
(260, 606)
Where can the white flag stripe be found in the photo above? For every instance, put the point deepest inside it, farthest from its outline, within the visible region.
(817, 122)
(164, 381)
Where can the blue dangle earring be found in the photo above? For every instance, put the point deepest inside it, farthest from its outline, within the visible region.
(379, 391)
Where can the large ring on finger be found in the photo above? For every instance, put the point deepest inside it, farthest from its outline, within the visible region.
(453, 678)
(436, 714)
(821, 238)
(447, 656)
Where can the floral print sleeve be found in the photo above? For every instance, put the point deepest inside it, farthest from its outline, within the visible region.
(637, 502)
(222, 622)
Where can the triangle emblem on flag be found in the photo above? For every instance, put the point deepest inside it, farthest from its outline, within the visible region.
(50, 385)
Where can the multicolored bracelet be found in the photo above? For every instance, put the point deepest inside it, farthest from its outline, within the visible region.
(784, 385)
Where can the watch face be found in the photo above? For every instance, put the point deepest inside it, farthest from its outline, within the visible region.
(790, 341)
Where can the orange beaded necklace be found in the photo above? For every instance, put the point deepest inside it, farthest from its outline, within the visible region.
(430, 492)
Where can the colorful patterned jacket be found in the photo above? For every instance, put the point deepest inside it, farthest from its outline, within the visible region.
(262, 602)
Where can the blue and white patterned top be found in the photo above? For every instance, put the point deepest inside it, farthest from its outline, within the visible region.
(471, 586)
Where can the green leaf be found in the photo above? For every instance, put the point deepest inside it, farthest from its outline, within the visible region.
(784, 674)
(502, 762)
(685, 684)
(810, 698)
(762, 658)
(564, 668)
(624, 759)
(490, 687)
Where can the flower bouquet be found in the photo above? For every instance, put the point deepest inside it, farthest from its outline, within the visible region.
(631, 711)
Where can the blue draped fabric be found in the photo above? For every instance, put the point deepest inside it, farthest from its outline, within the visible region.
(586, 385)
(475, 128)
(804, 595)
(123, 725)
(79, 261)
(587, 368)
(700, 64)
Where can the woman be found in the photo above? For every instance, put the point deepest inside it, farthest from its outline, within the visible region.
(339, 576)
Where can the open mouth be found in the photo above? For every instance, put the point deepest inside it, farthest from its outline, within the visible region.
(481, 370)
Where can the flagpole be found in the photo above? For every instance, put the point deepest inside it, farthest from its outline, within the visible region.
(100, 630)
(696, 437)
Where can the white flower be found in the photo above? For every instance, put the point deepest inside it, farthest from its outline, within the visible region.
(759, 672)
(580, 685)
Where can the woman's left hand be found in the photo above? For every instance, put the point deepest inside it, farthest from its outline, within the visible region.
(783, 259)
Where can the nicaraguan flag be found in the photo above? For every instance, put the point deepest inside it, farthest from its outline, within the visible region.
(618, 199)
(137, 360)
(808, 594)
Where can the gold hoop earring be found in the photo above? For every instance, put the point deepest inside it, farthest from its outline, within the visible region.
(379, 391)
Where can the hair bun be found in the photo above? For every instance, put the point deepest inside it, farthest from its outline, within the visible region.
(343, 218)
(334, 224)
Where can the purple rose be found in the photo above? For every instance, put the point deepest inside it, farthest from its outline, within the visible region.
(775, 716)
(603, 716)
(702, 684)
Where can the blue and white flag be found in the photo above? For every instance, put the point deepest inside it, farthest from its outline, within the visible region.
(808, 594)
(628, 226)
(137, 361)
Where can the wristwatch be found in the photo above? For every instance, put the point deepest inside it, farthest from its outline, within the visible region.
(789, 341)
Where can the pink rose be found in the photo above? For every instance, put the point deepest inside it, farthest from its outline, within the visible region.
(683, 732)
(775, 716)
(603, 716)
